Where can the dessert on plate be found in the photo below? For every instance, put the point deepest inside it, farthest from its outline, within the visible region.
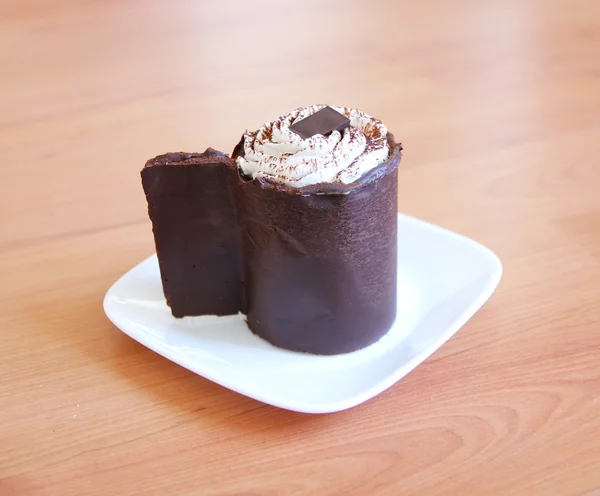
(297, 230)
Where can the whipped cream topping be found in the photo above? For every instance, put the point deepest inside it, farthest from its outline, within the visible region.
(278, 154)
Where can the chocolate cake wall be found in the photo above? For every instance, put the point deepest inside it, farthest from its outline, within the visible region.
(320, 269)
(195, 231)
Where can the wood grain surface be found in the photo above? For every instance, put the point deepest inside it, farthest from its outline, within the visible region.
(498, 105)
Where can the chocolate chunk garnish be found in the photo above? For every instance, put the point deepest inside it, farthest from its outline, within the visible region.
(324, 122)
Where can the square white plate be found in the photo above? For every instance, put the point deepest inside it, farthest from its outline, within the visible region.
(443, 279)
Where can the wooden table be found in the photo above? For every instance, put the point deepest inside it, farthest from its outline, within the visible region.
(498, 104)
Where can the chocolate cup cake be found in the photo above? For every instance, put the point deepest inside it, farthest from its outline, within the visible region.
(195, 231)
(319, 262)
(297, 230)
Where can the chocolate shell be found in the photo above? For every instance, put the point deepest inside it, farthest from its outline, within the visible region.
(319, 262)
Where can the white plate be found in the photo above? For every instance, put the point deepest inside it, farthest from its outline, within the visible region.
(443, 279)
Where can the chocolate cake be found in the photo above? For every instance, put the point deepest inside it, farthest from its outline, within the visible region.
(297, 230)
(319, 262)
(195, 231)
